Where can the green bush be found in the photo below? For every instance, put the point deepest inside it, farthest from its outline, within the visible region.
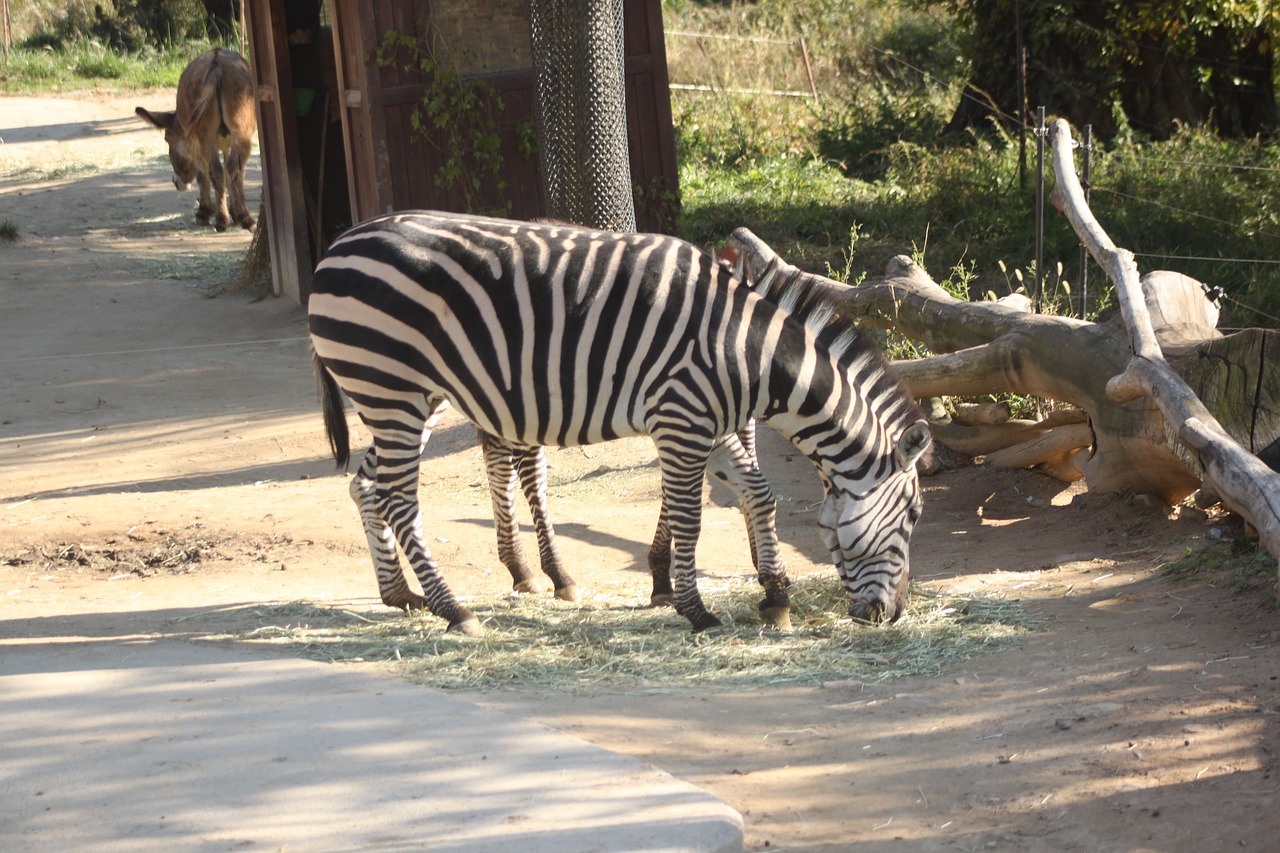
(122, 25)
(865, 174)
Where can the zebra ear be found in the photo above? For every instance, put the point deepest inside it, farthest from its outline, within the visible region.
(912, 444)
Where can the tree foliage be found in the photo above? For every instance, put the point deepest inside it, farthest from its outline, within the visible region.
(1154, 64)
(129, 25)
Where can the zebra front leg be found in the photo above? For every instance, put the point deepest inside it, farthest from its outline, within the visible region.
(733, 464)
(531, 462)
(660, 562)
(660, 550)
(683, 468)
(393, 587)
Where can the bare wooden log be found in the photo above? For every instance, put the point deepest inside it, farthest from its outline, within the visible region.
(1055, 448)
(985, 439)
(1243, 481)
(989, 347)
(976, 414)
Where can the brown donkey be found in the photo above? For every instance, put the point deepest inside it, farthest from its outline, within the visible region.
(215, 114)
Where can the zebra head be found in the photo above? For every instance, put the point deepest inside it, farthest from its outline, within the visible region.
(868, 530)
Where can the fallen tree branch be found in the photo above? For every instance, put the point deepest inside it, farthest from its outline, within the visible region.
(997, 347)
(1241, 479)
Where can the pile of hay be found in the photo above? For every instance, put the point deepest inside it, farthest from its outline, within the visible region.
(606, 641)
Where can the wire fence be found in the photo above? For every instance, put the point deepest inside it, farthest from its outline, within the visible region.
(1034, 132)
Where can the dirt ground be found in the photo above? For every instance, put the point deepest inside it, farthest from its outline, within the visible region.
(144, 409)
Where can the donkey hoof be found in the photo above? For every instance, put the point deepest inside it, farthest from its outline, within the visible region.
(246, 222)
(468, 626)
(568, 593)
(778, 618)
(662, 599)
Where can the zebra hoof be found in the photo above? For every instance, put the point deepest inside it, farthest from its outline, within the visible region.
(662, 599)
(468, 627)
(407, 601)
(778, 618)
(529, 586)
(707, 625)
(568, 593)
(872, 613)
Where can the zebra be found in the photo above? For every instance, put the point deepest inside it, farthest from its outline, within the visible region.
(547, 335)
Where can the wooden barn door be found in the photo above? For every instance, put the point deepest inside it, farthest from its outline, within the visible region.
(282, 191)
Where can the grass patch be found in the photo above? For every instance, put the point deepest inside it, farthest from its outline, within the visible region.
(608, 642)
(8, 230)
(89, 65)
(1236, 564)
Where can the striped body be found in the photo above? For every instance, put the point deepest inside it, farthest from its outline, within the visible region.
(553, 335)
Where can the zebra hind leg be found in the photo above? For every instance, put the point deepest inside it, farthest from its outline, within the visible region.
(498, 458)
(393, 587)
(531, 462)
(660, 562)
(395, 459)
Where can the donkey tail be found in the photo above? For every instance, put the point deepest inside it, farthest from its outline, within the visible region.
(335, 415)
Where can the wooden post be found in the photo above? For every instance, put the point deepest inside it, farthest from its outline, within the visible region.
(5, 26)
(1038, 290)
(808, 67)
(1086, 167)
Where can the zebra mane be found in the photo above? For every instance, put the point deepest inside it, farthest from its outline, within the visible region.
(795, 292)
(820, 312)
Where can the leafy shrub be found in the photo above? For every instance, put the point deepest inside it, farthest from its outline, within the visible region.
(123, 25)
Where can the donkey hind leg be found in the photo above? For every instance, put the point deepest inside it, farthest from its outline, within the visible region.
(204, 207)
(531, 464)
(684, 464)
(660, 551)
(218, 177)
(237, 156)
(732, 464)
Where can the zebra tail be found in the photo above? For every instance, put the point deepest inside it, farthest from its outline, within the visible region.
(335, 416)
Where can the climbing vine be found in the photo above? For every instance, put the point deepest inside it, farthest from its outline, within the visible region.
(458, 117)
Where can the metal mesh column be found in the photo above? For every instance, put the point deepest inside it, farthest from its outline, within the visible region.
(579, 66)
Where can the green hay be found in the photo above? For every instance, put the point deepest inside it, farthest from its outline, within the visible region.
(608, 642)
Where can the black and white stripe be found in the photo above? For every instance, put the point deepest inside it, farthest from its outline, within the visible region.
(553, 335)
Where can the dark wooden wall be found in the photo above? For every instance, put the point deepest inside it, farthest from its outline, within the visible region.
(393, 166)
(357, 153)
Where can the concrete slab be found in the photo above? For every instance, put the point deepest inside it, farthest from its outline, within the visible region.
(138, 746)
